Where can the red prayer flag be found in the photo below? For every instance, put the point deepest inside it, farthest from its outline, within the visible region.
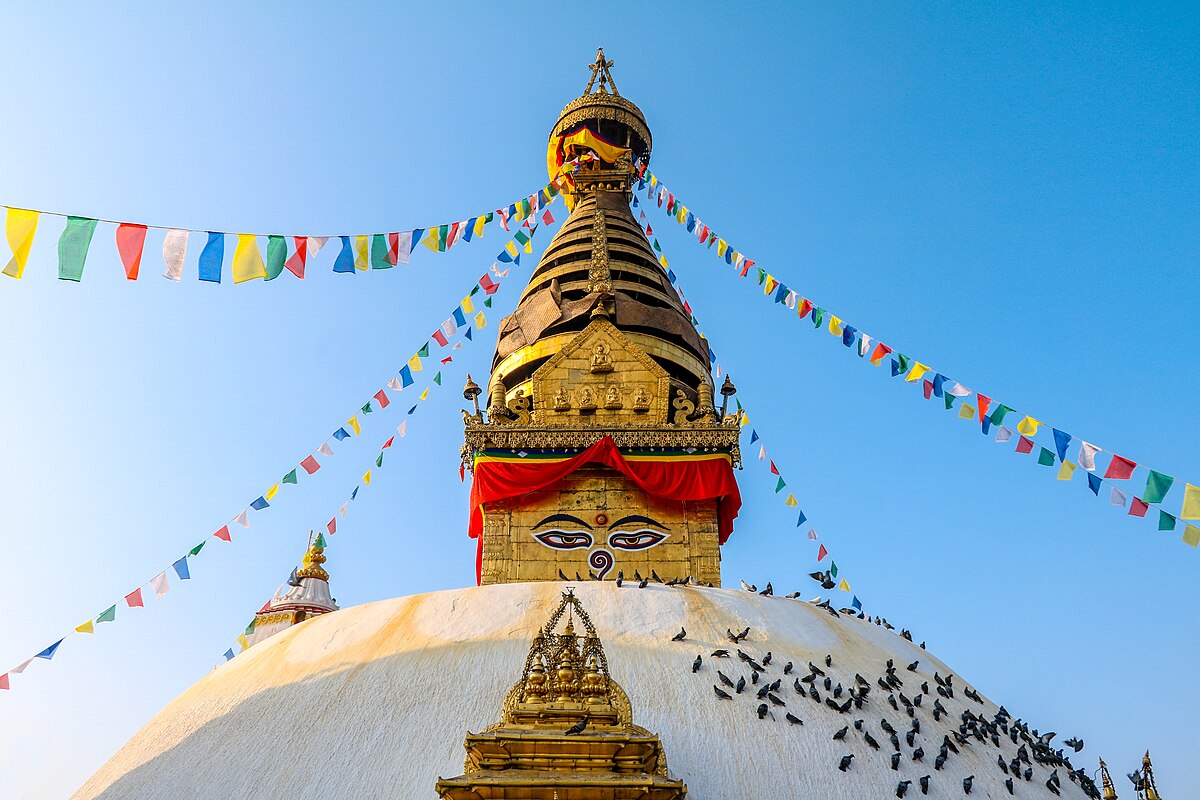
(774, 469)
(928, 387)
(1138, 507)
(440, 338)
(984, 402)
(488, 285)
(547, 217)
(878, 354)
(134, 598)
(805, 307)
(332, 526)
(388, 443)
(822, 553)
(383, 399)
(462, 473)
(4, 681)
(310, 465)
(295, 264)
(130, 239)
(1120, 468)
(1025, 445)
(393, 250)
(447, 359)
(223, 534)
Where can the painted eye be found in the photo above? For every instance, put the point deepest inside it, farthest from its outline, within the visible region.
(564, 540)
(635, 540)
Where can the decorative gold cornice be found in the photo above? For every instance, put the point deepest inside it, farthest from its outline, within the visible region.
(721, 438)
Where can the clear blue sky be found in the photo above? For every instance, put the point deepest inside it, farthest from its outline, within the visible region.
(1009, 194)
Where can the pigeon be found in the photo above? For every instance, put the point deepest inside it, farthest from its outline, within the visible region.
(767, 592)
(775, 701)
(654, 575)
(902, 787)
(841, 734)
(887, 726)
(844, 764)
(895, 761)
(749, 587)
(762, 710)
(787, 670)
(762, 693)
(721, 694)
(1008, 784)
(870, 740)
(767, 658)
(1074, 744)
(754, 677)
(924, 784)
(577, 577)
(918, 754)
(909, 737)
(620, 578)
(1052, 786)
(593, 576)
(741, 684)
(724, 679)
(815, 669)
(719, 654)
(642, 583)
(696, 664)
(792, 718)
(562, 577)
(578, 727)
(967, 782)
(828, 660)
(679, 637)
(913, 666)
(744, 634)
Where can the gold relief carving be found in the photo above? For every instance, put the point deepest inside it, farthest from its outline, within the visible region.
(561, 402)
(612, 400)
(641, 399)
(599, 277)
(587, 399)
(684, 408)
(601, 360)
(518, 408)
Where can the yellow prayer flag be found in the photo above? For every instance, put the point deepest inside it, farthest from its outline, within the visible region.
(19, 228)
(480, 320)
(663, 261)
(1066, 471)
(835, 325)
(479, 222)
(653, 179)
(917, 372)
(354, 426)
(274, 490)
(87, 627)
(745, 419)
(511, 247)
(431, 239)
(242, 641)
(1029, 426)
(367, 477)
(423, 394)
(247, 260)
(529, 246)
(769, 284)
(360, 252)
(467, 305)
(843, 586)
(966, 412)
(414, 363)
(1191, 503)
(791, 500)
(721, 245)
(1191, 535)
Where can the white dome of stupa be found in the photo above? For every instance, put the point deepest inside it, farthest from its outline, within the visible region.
(375, 701)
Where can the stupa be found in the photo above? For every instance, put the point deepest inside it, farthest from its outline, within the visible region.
(603, 489)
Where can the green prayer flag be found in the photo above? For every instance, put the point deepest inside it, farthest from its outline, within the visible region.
(367, 409)
(443, 232)
(904, 362)
(488, 302)
(998, 413)
(779, 486)
(1165, 521)
(1046, 458)
(656, 246)
(379, 252)
(424, 351)
(488, 218)
(833, 570)
(196, 550)
(1157, 486)
(250, 628)
(950, 401)
(818, 314)
(290, 477)
(438, 379)
(73, 247)
(379, 461)
(276, 255)
(320, 542)
(108, 615)
(762, 276)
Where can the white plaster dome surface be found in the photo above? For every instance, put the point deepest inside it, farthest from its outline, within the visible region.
(375, 700)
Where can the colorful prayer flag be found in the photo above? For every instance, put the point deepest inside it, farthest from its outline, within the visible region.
(1028, 426)
(1120, 468)
(1087, 455)
(49, 652)
(1138, 507)
(159, 584)
(1066, 470)
(260, 504)
(1191, 502)
(299, 258)
(130, 241)
(181, 569)
(309, 464)
(1024, 445)
(108, 615)
(174, 252)
(1191, 535)
(366, 479)
(345, 259)
(73, 247)
(1166, 522)
(1157, 486)
(223, 534)
(86, 627)
(1061, 439)
(1046, 458)
(821, 553)
(382, 398)
(212, 257)
(134, 598)
(19, 228)
(354, 425)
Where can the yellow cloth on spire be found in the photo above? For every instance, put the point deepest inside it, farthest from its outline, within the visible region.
(966, 412)
(1191, 502)
(1029, 426)
(86, 627)
(843, 586)
(1066, 471)
(414, 363)
(567, 147)
(360, 252)
(354, 426)
(247, 260)
(917, 372)
(19, 228)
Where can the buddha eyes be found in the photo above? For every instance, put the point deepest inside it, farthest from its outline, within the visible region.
(635, 540)
(564, 540)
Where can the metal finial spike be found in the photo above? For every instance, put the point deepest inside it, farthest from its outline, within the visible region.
(599, 70)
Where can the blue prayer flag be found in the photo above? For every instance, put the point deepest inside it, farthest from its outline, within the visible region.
(691, 222)
(354, 494)
(406, 376)
(801, 519)
(181, 569)
(260, 504)
(341, 433)
(987, 424)
(754, 437)
(466, 237)
(896, 368)
(459, 317)
(938, 380)
(467, 335)
(417, 234)
(229, 654)
(211, 257)
(781, 293)
(411, 410)
(345, 259)
(1060, 442)
(48, 653)
(856, 603)
(1094, 483)
(848, 333)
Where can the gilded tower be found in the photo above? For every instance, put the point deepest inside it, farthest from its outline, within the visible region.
(601, 450)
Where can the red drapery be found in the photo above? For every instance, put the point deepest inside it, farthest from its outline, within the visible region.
(671, 478)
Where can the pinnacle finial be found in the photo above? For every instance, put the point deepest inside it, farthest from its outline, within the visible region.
(600, 70)
(313, 559)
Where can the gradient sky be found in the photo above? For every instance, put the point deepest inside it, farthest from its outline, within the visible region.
(1008, 194)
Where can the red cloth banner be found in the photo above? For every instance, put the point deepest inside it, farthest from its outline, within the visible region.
(700, 477)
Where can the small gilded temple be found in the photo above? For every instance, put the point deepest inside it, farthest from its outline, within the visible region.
(601, 655)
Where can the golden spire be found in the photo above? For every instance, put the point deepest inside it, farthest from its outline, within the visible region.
(1148, 779)
(1110, 791)
(313, 559)
(600, 70)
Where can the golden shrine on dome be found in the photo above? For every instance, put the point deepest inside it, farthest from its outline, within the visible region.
(600, 348)
(566, 730)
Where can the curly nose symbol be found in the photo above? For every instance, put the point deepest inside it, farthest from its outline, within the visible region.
(601, 561)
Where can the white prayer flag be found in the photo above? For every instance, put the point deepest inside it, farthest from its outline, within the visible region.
(404, 248)
(864, 344)
(1117, 498)
(242, 519)
(1087, 455)
(958, 390)
(812, 534)
(496, 271)
(450, 327)
(21, 668)
(315, 243)
(762, 452)
(1004, 434)
(174, 251)
(402, 429)
(325, 449)
(342, 510)
(395, 385)
(160, 585)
